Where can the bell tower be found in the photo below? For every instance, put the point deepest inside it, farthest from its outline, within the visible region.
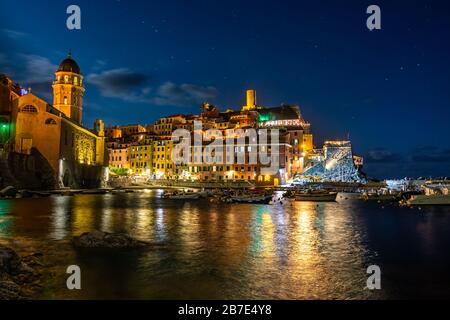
(68, 90)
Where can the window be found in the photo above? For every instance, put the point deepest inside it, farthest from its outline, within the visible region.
(50, 121)
(66, 79)
(65, 100)
(75, 81)
(30, 109)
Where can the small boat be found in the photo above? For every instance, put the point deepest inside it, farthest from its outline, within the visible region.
(431, 200)
(183, 195)
(433, 195)
(348, 196)
(257, 199)
(382, 197)
(316, 196)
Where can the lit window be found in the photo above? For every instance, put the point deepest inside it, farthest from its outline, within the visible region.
(66, 79)
(75, 81)
(65, 100)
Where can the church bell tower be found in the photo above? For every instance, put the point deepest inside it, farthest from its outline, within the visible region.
(68, 90)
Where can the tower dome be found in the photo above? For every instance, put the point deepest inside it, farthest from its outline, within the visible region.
(69, 65)
(68, 89)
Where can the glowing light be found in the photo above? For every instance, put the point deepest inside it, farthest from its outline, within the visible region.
(331, 164)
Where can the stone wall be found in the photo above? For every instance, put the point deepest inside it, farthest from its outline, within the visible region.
(27, 171)
(34, 172)
(76, 175)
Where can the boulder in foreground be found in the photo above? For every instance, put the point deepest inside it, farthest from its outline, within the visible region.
(105, 240)
(20, 278)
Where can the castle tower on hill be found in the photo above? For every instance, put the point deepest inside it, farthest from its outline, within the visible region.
(251, 101)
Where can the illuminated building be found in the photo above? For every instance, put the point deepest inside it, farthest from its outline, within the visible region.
(295, 146)
(335, 162)
(163, 166)
(68, 90)
(65, 153)
(227, 166)
(132, 129)
(113, 132)
(141, 158)
(9, 91)
(166, 125)
(251, 101)
(119, 155)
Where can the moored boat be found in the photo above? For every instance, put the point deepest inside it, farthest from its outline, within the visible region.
(433, 195)
(261, 199)
(316, 196)
(383, 197)
(433, 200)
(348, 196)
(183, 195)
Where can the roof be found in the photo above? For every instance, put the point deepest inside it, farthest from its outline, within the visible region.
(285, 112)
(69, 65)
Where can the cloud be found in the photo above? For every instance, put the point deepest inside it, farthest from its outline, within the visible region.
(13, 34)
(170, 93)
(422, 161)
(430, 154)
(38, 73)
(130, 86)
(6, 65)
(38, 68)
(381, 155)
(99, 64)
(120, 83)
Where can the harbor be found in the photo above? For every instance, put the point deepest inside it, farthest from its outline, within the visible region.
(224, 250)
(212, 150)
(404, 192)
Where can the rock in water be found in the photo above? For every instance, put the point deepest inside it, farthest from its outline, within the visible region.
(99, 239)
(10, 261)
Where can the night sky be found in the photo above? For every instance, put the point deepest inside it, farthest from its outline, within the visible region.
(388, 90)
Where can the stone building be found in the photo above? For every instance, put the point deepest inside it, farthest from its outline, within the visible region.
(49, 142)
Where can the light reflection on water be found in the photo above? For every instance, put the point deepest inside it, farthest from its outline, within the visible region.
(294, 250)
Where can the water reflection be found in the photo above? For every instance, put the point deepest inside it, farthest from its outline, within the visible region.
(292, 250)
(60, 217)
(5, 219)
(160, 228)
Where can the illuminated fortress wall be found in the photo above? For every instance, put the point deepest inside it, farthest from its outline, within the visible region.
(335, 164)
